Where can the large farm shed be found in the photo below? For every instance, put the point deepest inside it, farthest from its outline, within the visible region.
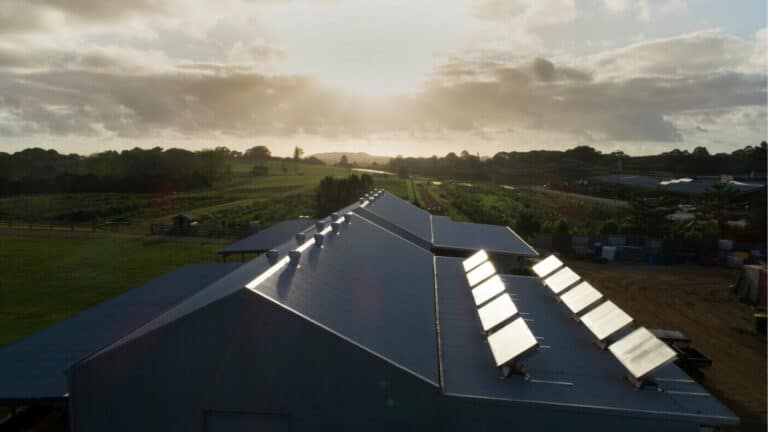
(370, 319)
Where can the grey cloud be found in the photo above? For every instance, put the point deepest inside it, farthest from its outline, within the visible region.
(536, 95)
(190, 103)
(132, 93)
(24, 16)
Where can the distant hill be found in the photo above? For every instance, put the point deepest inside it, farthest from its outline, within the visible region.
(360, 158)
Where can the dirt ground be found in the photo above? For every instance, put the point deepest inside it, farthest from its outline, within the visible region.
(699, 302)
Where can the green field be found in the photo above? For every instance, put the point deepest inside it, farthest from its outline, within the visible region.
(492, 204)
(45, 280)
(286, 191)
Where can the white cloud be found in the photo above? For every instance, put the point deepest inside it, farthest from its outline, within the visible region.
(700, 53)
(645, 10)
(532, 14)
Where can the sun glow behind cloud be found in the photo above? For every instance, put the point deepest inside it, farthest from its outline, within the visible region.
(386, 76)
(370, 47)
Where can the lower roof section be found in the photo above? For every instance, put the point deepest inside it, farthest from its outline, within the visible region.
(567, 370)
(269, 238)
(32, 370)
(465, 236)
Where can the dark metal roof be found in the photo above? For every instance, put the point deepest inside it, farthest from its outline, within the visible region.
(227, 285)
(386, 304)
(696, 186)
(33, 368)
(700, 186)
(370, 287)
(567, 370)
(269, 238)
(449, 234)
(400, 217)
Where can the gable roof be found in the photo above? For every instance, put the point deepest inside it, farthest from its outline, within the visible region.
(386, 305)
(33, 368)
(369, 286)
(269, 238)
(567, 370)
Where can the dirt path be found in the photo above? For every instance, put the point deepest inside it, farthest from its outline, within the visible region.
(428, 200)
(109, 234)
(697, 301)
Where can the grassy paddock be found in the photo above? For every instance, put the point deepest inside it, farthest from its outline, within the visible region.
(240, 198)
(48, 279)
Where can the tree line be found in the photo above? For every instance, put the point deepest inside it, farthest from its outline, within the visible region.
(137, 170)
(335, 193)
(543, 166)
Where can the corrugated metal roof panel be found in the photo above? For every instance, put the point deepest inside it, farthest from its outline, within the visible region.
(369, 286)
(403, 215)
(567, 370)
(449, 234)
(33, 368)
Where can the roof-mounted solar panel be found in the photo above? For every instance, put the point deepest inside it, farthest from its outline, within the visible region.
(480, 273)
(475, 260)
(642, 353)
(497, 312)
(581, 297)
(488, 290)
(546, 266)
(605, 320)
(561, 280)
(510, 342)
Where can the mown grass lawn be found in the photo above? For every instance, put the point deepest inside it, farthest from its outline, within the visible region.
(45, 280)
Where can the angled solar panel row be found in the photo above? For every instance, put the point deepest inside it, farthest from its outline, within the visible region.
(509, 337)
(561, 280)
(546, 266)
(640, 352)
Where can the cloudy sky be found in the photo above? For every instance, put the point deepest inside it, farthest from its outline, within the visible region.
(411, 77)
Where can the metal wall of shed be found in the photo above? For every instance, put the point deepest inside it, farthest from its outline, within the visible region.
(247, 354)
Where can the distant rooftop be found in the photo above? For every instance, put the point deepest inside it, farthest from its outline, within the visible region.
(684, 185)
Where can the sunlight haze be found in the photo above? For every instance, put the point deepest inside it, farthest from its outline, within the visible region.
(384, 77)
